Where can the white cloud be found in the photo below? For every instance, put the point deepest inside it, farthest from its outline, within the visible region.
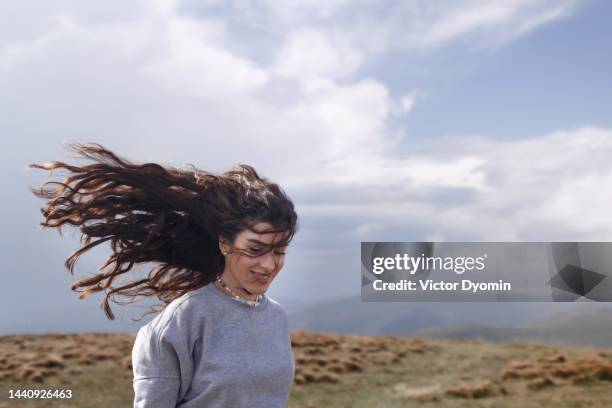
(309, 53)
(464, 20)
(407, 25)
(165, 78)
(281, 85)
(170, 86)
(366, 230)
(500, 20)
(195, 63)
(552, 188)
(407, 103)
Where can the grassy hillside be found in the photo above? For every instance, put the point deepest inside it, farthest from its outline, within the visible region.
(352, 316)
(588, 328)
(336, 371)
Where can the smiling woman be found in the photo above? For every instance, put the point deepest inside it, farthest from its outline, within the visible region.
(254, 261)
(218, 242)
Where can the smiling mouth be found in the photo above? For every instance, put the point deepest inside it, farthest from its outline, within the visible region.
(262, 277)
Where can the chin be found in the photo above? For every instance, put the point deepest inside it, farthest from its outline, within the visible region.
(259, 290)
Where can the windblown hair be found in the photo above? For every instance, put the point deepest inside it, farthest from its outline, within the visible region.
(167, 216)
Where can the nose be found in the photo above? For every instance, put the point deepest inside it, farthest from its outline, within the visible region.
(268, 261)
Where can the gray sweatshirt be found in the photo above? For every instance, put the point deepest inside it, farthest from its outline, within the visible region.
(206, 349)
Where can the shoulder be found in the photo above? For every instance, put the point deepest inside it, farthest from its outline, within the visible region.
(277, 308)
(181, 314)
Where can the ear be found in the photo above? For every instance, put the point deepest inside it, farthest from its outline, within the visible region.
(222, 246)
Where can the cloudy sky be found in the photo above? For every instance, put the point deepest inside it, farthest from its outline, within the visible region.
(477, 120)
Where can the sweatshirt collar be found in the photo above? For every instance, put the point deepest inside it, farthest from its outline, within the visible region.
(218, 292)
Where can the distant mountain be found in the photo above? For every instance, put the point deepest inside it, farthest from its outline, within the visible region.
(291, 305)
(66, 314)
(352, 316)
(592, 327)
(493, 321)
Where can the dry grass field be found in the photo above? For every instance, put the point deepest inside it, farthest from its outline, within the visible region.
(335, 371)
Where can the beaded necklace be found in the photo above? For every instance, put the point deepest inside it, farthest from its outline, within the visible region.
(235, 296)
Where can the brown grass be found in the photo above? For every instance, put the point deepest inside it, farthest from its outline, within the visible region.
(337, 371)
(551, 368)
(325, 358)
(482, 389)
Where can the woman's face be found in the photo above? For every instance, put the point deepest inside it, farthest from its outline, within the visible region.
(251, 271)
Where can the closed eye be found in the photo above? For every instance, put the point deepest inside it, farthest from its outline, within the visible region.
(259, 250)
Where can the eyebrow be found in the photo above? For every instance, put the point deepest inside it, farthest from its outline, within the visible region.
(257, 242)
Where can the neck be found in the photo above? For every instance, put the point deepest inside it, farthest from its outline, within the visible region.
(238, 290)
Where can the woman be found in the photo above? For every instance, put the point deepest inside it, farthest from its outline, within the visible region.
(217, 243)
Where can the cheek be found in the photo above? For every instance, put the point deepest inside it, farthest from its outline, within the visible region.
(246, 263)
(241, 264)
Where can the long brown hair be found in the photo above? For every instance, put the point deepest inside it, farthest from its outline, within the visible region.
(154, 214)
